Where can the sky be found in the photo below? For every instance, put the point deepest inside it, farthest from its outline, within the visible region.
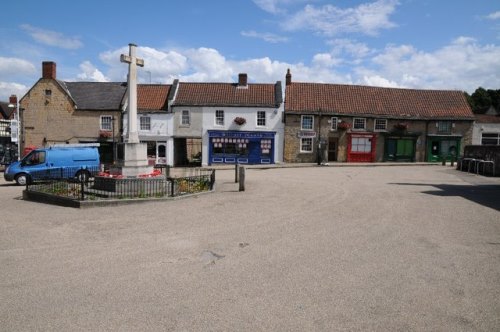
(423, 44)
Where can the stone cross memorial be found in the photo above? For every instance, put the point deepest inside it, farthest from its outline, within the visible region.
(135, 159)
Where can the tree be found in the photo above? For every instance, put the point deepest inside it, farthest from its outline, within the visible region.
(481, 101)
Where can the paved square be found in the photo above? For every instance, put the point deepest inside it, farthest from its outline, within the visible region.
(411, 248)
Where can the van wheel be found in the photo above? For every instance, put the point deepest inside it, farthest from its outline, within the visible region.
(22, 179)
(82, 176)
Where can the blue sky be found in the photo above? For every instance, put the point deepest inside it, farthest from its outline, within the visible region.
(428, 44)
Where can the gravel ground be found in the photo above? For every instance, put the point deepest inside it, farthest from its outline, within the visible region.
(302, 249)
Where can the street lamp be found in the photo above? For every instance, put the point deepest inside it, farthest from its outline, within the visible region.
(15, 124)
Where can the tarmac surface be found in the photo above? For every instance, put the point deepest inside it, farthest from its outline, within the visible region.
(384, 248)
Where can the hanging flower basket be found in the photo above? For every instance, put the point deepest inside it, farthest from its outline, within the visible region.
(343, 125)
(240, 121)
(401, 126)
(104, 134)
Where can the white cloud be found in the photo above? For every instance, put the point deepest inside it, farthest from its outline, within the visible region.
(494, 16)
(91, 73)
(266, 36)
(275, 6)
(52, 38)
(9, 88)
(329, 20)
(325, 60)
(461, 65)
(376, 80)
(163, 65)
(15, 66)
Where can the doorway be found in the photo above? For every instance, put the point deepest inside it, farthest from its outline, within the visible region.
(332, 148)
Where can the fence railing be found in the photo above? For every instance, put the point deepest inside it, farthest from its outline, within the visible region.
(88, 185)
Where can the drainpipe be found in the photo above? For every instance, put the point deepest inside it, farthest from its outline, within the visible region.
(318, 151)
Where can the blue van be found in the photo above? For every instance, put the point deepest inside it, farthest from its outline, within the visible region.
(65, 161)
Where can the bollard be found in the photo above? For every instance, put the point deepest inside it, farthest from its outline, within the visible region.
(452, 161)
(242, 178)
(236, 173)
(443, 161)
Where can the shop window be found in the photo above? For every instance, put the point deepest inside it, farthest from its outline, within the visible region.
(490, 139)
(234, 146)
(306, 144)
(261, 119)
(265, 147)
(361, 145)
(106, 122)
(307, 122)
(359, 124)
(219, 118)
(380, 125)
(444, 127)
(185, 118)
(145, 123)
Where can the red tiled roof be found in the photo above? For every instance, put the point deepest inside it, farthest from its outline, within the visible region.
(152, 97)
(376, 101)
(485, 118)
(227, 94)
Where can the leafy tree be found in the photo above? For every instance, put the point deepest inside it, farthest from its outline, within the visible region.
(495, 98)
(481, 101)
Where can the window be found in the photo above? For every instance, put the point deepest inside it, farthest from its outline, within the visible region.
(219, 118)
(306, 144)
(106, 122)
(334, 122)
(307, 122)
(359, 124)
(490, 139)
(145, 123)
(361, 144)
(261, 119)
(444, 127)
(35, 158)
(380, 125)
(48, 93)
(185, 118)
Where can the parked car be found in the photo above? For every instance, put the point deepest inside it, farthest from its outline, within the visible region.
(64, 161)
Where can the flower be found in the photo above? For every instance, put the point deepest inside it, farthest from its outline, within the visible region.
(240, 121)
(344, 125)
(401, 126)
(104, 133)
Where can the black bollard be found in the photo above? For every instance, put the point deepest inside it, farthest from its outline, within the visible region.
(242, 178)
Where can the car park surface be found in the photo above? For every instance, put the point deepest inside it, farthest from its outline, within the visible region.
(301, 249)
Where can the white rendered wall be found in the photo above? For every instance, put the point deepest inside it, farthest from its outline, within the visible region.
(480, 128)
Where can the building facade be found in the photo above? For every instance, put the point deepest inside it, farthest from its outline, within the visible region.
(234, 122)
(333, 122)
(55, 111)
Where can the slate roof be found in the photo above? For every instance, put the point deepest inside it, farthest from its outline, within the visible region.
(152, 97)
(5, 111)
(96, 95)
(228, 94)
(342, 99)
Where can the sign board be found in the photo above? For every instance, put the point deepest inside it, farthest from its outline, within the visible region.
(306, 134)
(13, 131)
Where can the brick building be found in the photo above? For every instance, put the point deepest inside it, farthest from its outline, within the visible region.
(55, 111)
(334, 122)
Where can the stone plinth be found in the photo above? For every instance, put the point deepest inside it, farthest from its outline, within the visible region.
(134, 162)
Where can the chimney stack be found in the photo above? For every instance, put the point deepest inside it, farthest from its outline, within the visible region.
(49, 70)
(242, 80)
(288, 77)
(13, 100)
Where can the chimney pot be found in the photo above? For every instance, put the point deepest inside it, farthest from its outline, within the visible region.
(242, 79)
(288, 77)
(49, 70)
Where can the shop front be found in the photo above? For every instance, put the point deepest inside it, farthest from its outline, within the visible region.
(400, 148)
(361, 147)
(439, 147)
(240, 147)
